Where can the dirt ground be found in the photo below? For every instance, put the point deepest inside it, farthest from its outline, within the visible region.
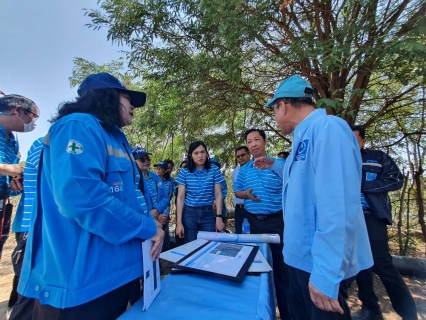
(417, 288)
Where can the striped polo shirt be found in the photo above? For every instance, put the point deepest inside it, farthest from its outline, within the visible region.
(169, 185)
(234, 179)
(8, 155)
(22, 220)
(199, 185)
(266, 185)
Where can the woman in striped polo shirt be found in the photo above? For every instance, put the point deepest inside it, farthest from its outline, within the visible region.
(198, 185)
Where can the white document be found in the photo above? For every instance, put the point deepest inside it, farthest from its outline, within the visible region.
(174, 255)
(229, 237)
(151, 275)
(259, 263)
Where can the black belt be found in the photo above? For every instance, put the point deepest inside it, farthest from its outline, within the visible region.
(239, 206)
(266, 216)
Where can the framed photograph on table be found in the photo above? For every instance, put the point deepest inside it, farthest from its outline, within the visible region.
(220, 259)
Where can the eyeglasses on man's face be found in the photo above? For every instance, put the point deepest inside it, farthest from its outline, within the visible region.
(31, 114)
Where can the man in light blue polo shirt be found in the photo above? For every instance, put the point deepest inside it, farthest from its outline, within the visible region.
(21, 223)
(243, 156)
(17, 113)
(262, 191)
(325, 235)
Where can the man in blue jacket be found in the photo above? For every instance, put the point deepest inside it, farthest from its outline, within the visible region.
(153, 189)
(325, 237)
(380, 175)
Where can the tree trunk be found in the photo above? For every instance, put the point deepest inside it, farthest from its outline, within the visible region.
(420, 202)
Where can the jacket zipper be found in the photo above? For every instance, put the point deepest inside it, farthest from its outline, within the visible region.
(130, 158)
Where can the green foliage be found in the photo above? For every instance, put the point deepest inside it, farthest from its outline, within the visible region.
(209, 66)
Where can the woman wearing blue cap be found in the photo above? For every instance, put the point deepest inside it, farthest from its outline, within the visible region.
(198, 184)
(84, 252)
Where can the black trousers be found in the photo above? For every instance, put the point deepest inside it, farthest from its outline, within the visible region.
(240, 214)
(399, 295)
(107, 307)
(275, 224)
(17, 269)
(301, 305)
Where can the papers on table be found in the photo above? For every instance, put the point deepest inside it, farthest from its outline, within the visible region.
(239, 238)
(151, 275)
(259, 263)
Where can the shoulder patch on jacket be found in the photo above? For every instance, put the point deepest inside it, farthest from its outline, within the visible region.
(74, 147)
(302, 150)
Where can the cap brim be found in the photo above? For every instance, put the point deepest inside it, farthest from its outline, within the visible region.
(269, 103)
(137, 99)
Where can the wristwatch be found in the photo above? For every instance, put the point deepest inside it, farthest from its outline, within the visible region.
(218, 216)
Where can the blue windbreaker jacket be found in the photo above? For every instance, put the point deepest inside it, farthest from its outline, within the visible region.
(88, 220)
(324, 228)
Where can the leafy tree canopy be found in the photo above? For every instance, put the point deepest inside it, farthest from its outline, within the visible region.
(209, 65)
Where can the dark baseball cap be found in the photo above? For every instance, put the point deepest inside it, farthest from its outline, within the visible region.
(162, 164)
(104, 80)
(139, 152)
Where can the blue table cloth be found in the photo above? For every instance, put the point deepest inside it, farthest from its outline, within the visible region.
(194, 296)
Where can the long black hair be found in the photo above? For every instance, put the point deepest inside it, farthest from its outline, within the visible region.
(102, 103)
(190, 162)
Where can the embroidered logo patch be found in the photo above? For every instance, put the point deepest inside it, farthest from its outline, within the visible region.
(370, 176)
(74, 147)
(302, 150)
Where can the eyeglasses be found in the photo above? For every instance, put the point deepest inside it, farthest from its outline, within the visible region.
(144, 159)
(241, 155)
(33, 115)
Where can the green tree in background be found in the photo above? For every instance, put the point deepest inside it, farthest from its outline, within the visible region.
(208, 66)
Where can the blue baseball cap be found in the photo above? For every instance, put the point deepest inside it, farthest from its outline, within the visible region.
(139, 152)
(104, 80)
(292, 87)
(162, 164)
(214, 160)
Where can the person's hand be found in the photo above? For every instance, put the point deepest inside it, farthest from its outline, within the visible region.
(214, 206)
(251, 196)
(13, 170)
(159, 225)
(16, 184)
(323, 302)
(180, 232)
(263, 163)
(220, 226)
(163, 218)
(157, 244)
(154, 212)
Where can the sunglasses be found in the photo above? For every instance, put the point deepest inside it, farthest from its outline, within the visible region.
(144, 159)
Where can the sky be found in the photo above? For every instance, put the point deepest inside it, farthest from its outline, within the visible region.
(39, 40)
